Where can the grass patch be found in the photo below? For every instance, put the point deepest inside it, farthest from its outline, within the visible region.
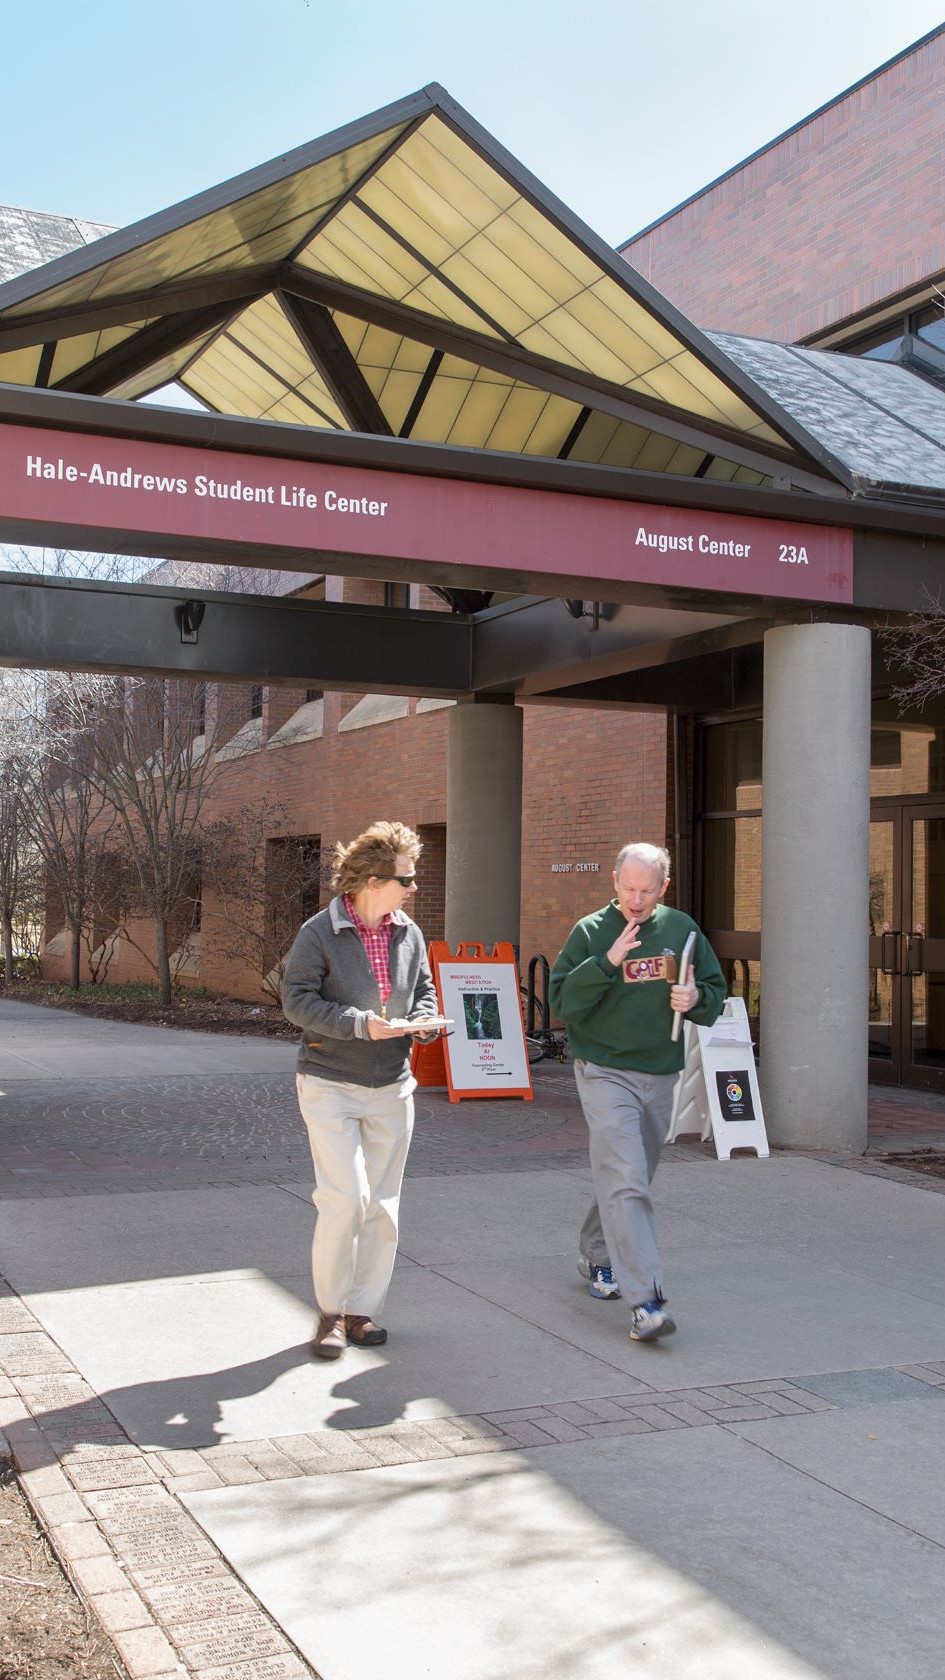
(128, 991)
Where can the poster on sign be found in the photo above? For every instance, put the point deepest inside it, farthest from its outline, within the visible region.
(485, 1052)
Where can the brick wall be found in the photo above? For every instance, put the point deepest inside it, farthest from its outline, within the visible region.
(842, 212)
(593, 781)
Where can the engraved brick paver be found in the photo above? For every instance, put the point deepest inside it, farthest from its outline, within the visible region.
(230, 1644)
(286, 1666)
(207, 1569)
(101, 1473)
(117, 1506)
(195, 1601)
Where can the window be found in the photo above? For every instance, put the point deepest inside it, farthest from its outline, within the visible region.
(256, 701)
(313, 694)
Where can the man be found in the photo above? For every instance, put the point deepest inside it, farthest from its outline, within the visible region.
(358, 984)
(617, 986)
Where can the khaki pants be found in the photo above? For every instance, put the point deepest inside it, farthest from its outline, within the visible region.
(359, 1139)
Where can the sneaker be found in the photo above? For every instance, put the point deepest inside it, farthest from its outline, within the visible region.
(649, 1321)
(603, 1285)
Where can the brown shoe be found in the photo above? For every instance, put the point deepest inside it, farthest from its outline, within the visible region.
(363, 1332)
(329, 1340)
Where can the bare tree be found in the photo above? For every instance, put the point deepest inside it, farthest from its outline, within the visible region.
(74, 563)
(263, 888)
(915, 651)
(74, 832)
(19, 871)
(150, 756)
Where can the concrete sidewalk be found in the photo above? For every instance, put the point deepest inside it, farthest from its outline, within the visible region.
(510, 1488)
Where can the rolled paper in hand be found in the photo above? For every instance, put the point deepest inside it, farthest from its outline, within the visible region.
(684, 964)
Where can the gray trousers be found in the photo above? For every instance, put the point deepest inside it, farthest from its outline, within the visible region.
(628, 1116)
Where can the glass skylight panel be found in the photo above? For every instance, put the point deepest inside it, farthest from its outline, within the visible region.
(552, 426)
(226, 235)
(596, 434)
(655, 454)
(574, 269)
(518, 418)
(21, 367)
(74, 353)
(626, 446)
(159, 373)
(443, 402)
(478, 414)
(446, 161)
(392, 194)
(395, 393)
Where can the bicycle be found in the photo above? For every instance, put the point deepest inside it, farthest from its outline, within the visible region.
(541, 1039)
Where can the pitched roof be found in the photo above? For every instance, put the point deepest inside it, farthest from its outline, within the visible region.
(29, 238)
(403, 276)
(883, 423)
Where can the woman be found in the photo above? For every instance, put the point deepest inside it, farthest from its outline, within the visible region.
(358, 984)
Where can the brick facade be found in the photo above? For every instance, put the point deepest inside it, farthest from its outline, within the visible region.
(592, 780)
(841, 212)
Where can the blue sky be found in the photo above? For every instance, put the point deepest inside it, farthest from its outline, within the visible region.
(113, 109)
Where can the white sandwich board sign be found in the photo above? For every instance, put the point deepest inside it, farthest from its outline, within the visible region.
(717, 1094)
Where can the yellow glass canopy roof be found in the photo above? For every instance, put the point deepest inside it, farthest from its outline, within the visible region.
(405, 277)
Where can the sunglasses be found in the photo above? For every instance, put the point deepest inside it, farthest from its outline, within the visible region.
(402, 880)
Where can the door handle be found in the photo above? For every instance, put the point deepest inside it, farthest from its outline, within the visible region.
(914, 953)
(888, 963)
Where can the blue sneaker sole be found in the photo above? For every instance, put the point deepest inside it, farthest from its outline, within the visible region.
(603, 1294)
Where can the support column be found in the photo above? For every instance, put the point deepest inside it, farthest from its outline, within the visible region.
(484, 823)
(815, 885)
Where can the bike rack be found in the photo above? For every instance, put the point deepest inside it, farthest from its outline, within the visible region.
(538, 964)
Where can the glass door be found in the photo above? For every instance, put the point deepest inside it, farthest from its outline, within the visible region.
(922, 1003)
(884, 943)
(907, 945)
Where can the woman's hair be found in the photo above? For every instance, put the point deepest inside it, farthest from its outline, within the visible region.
(374, 852)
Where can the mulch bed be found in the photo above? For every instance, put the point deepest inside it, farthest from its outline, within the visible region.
(930, 1161)
(45, 1631)
(198, 1014)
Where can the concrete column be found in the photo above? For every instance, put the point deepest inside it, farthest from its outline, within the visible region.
(484, 823)
(815, 885)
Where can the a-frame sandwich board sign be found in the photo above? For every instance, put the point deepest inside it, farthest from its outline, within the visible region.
(484, 1054)
(718, 1092)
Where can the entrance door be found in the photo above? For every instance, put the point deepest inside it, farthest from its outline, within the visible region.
(907, 945)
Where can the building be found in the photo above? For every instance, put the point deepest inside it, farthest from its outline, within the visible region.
(637, 527)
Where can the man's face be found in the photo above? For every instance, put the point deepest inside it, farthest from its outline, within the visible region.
(638, 888)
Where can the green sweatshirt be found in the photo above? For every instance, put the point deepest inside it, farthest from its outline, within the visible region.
(621, 1017)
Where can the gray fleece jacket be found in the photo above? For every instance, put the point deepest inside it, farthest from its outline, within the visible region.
(329, 990)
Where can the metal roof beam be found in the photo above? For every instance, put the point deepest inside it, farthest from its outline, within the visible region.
(331, 356)
(17, 331)
(535, 370)
(71, 625)
(101, 375)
